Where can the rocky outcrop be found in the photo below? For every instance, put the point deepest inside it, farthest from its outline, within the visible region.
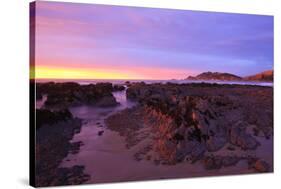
(47, 117)
(217, 162)
(106, 101)
(118, 88)
(239, 137)
(263, 76)
(215, 76)
(192, 121)
(266, 76)
(186, 132)
(64, 95)
(54, 131)
(261, 166)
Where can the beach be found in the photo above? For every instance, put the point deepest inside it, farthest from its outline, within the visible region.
(161, 131)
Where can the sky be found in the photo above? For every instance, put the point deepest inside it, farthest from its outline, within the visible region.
(87, 41)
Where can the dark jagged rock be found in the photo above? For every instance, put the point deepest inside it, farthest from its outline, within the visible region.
(214, 162)
(191, 119)
(239, 137)
(261, 166)
(54, 131)
(44, 116)
(104, 87)
(107, 101)
(217, 162)
(118, 88)
(100, 133)
(39, 96)
(230, 160)
(63, 95)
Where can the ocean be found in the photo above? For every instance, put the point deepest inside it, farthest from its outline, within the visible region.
(122, 81)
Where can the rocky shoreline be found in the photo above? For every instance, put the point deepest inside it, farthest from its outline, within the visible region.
(215, 126)
(199, 122)
(64, 95)
(54, 131)
(56, 126)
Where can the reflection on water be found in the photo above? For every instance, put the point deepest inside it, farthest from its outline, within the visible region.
(100, 154)
(121, 97)
(96, 113)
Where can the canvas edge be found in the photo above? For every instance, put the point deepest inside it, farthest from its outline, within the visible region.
(32, 141)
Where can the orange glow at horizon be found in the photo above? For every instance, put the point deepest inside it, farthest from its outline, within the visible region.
(42, 72)
(52, 72)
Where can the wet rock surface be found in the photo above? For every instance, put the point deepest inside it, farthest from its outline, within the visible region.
(118, 88)
(48, 117)
(194, 122)
(214, 126)
(54, 132)
(64, 95)
(261, 166)
(127, 123)
(217, 162)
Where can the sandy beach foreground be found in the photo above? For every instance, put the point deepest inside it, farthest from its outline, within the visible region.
(137, 131)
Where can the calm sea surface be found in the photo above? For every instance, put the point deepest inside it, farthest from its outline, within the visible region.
(93, 81)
